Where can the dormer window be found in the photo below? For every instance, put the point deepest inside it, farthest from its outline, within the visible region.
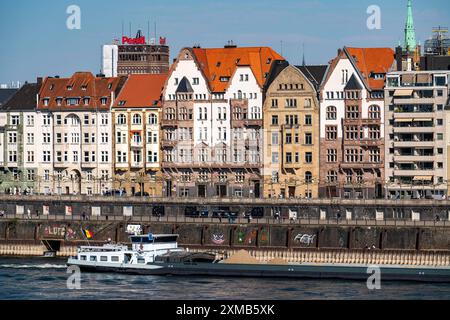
(224, 79)
(72, 101)
(52, 86)
(103, 101)
(69, 88)
(122, 103)
(238, 60)
(58, 101)
(110, 86)
(83, 88)
(269, 60)
(218, 64)
(46, 101)
(86, 101)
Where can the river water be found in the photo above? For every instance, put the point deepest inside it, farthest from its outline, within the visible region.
(46, 278)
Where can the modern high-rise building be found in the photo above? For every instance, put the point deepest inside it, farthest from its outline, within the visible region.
(291, 131)
(352, 123)
(417, 127)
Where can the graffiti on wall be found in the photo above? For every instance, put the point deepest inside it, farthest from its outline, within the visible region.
(307, 239)
(218, 238)
(60, 231)
(247, 238)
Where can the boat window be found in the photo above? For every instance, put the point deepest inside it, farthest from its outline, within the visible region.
(115, 258)
(166, 239)
(83, 258)
(93, 258)
(103, 258)
(141, 260)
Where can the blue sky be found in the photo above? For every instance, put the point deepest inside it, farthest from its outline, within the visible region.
(36, 42)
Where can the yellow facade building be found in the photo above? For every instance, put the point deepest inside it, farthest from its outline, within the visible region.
(291, 131)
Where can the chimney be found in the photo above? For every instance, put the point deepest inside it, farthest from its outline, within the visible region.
(230, 44)
(39, 81)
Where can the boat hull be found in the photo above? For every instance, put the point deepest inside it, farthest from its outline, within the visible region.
(348, 272)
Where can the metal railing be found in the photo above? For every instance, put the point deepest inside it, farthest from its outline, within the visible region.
(236, 221)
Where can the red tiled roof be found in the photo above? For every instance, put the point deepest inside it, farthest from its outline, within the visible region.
(80, 85)
(222, 62)
(141, 90)
(376, 60)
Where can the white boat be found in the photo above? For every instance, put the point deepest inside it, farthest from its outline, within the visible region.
(116, 257)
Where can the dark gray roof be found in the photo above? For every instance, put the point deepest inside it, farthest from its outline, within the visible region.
(275, 69)
(5, 95)
(353, 84)
(24, 99)
(184, 86)
(314, 74)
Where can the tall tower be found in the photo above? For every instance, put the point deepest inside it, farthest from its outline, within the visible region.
(410, 34)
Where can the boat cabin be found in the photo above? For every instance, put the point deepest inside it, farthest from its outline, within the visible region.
(154, 242)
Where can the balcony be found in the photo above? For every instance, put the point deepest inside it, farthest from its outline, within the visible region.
(253, 123)
(364, 142)
(410, 173)
(169, 123)
(360, 165)
(137, 164)
(136, 144)
(211, 165)
(413, 129)
(413, 143)
(413, 158)
(169, 143)
(361, 122)
(412, 100)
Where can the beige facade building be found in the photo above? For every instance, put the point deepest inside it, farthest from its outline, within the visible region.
(291, 131)
(136, 148)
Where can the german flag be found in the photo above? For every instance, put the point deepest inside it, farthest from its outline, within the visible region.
(88, 234)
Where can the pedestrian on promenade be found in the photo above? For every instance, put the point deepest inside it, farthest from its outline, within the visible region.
(29, 213)
(83, 216)
(249, 218)
(37, 213)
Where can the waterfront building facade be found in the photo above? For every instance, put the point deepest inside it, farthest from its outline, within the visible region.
(19, 136)
(291, 131)
(352, 123)
(136, 116)
(75, 153)
(417, 134)
(212, 122)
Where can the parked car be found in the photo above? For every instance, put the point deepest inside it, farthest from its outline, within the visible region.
(115, 193)
(141, 194)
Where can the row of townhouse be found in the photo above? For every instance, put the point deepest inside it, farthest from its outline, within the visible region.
(232, 121)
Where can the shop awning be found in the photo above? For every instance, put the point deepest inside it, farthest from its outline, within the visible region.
(422, 178)
(423, 78)
(408, 78)
(403, 93)
(404, 120)
(423, 119)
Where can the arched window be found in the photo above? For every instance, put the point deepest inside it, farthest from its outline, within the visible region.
(308, 177)
(239, 94)
(331, 176)
(331, 113)
(374, 112)
(152, 119)
(137, 119)
(121, 119)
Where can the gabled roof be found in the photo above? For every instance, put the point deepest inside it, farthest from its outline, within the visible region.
(217, 63)
(141, 90)
(315, 74)
(80, 85)
(353, 84)
(277, 67)
(24, 99)
(184, 86)
(5, 95)
(372, 60)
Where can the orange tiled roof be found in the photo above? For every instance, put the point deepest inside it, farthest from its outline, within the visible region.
(80, 85)
(141, 90)
(222, 62)
(377, 60)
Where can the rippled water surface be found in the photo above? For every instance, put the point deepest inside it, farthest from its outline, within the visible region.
(38, 278)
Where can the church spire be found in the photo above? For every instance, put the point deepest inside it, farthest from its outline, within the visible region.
(410, 34)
